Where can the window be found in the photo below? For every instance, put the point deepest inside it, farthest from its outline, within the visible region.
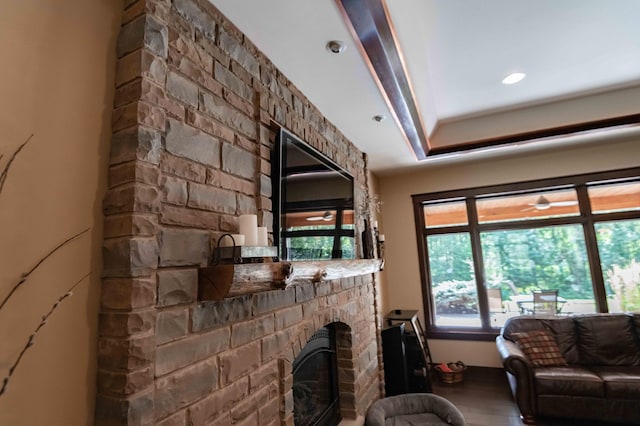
(484, 251)
(620, 263)
(455, 299)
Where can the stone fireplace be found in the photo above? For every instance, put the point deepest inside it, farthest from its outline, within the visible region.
(193, 127)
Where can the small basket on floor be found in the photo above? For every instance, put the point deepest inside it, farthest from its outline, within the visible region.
(452, 372)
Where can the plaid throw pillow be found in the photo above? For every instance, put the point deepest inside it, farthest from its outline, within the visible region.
(540, 347)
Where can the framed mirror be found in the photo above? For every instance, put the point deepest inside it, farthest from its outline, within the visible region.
(312, 202)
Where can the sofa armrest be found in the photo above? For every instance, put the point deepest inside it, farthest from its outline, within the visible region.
(520, 374)
(512, 356)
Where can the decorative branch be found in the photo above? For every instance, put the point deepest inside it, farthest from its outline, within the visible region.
(370, 203)
(25, 275)
(5, 171)
(31, 340)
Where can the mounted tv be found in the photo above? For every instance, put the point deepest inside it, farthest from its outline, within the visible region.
(313, 203)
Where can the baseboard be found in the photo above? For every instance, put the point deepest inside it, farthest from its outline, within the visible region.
(475, 374)
(358, 421)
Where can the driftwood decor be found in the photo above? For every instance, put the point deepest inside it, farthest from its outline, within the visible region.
(219, 281)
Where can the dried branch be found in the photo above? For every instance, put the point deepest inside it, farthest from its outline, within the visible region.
(25, 275)
(31, 340)
(5, 171)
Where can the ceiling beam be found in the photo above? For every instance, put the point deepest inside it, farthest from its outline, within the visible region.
(370, 25)
(549, 133)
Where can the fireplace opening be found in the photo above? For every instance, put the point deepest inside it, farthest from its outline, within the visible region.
(316, 400)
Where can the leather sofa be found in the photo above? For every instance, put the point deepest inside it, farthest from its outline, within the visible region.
(601, 378)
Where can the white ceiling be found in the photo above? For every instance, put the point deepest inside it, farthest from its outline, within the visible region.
(581, 57)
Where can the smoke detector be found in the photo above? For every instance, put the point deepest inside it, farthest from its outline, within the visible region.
(336, 46)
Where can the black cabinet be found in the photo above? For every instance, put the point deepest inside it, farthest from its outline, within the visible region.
(405, 354)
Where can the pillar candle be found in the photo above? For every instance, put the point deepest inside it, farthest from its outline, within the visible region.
(381, 238)
(249, 228)
(263, 237)
(228, 242)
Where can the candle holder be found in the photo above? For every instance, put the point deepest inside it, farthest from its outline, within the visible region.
(242, 254)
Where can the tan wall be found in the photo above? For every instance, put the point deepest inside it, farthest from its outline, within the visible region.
(58, 62)
(374, 187)
(402, 275)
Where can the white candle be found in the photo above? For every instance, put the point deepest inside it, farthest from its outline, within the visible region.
(381, 238)
(375, 224)
(263, 236)
(228, 242)
(249, 228)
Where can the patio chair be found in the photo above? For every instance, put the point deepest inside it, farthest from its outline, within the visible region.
(545, 302)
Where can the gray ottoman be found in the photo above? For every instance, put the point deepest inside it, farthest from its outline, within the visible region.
(414, 409)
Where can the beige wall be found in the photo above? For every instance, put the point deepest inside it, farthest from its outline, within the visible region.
(374, 187)
(57, 83)
(402, 275)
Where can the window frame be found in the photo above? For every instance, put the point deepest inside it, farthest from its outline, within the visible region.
(586, 219)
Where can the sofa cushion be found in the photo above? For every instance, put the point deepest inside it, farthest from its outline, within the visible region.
(607, 339)
(573, 381)
(563, 328)
(620, 382)
(540, 347)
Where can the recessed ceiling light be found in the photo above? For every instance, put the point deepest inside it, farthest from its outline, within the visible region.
(336, 46)
(513, 78)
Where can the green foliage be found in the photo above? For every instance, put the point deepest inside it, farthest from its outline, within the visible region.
(456, 297)
(304, 248)
(522, 260)
(618, 244)
(625, 283)
(450, 257)
(553, 257)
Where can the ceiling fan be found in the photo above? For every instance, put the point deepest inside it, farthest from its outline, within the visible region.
(542, 203)
(327, 216)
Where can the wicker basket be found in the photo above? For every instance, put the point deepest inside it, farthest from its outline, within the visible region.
(454, 376)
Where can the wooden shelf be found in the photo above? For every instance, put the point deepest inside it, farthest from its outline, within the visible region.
(229, 280)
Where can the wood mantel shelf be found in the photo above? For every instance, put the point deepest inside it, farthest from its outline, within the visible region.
(229, 280)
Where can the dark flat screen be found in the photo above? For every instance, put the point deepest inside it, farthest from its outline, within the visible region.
(313, 203)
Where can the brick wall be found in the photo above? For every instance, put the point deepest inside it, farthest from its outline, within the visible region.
(194, 121)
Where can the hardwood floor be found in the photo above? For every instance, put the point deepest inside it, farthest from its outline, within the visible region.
(484, 399)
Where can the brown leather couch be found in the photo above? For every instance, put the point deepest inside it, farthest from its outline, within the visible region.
(602, 379)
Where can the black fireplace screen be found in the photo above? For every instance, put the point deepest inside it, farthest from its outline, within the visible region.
(315, 384)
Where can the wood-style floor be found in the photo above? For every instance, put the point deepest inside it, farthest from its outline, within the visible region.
(484, 399)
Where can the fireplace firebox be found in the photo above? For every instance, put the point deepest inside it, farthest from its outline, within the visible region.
(316, 399)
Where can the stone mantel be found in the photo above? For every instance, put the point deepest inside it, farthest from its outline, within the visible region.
(229, 280)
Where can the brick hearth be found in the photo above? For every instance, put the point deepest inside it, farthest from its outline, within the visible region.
(193, 128)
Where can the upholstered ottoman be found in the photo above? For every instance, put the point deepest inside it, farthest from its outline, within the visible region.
(414, 409)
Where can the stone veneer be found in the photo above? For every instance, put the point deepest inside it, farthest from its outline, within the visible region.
(193, 128)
